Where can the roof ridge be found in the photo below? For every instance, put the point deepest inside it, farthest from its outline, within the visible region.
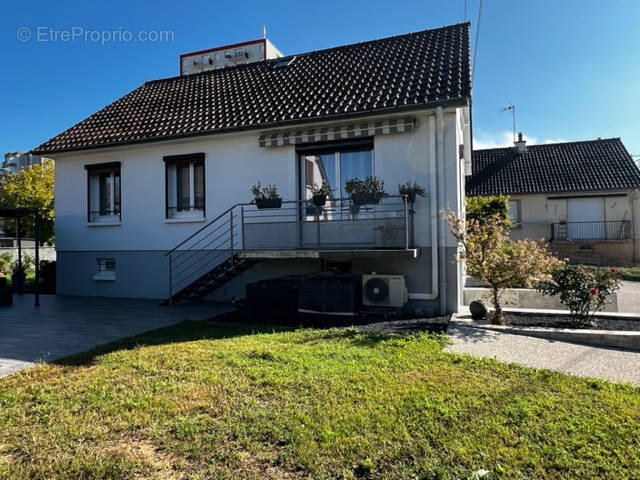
(535, 145)
(303, 54)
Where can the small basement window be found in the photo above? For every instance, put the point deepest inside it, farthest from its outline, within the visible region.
(106, 269)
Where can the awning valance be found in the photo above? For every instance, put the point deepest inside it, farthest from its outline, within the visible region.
(338, 132)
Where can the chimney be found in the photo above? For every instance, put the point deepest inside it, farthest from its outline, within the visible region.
(521, 144)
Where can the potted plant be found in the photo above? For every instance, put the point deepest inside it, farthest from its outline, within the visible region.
(18, 277)
(319, 194)
(266, 197)
(411, 190)
(369, 191)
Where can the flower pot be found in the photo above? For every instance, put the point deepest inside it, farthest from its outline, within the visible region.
(365, 198)
(18, 281)
(354, 209)
(313, 211)
(268, 203)
(319, 200)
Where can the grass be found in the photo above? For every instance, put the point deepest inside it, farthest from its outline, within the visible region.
(206, 400)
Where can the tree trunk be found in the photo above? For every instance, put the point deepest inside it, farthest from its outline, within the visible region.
(497, 317)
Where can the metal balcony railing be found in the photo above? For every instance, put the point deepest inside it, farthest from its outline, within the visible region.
(591, 231)
(338, 225)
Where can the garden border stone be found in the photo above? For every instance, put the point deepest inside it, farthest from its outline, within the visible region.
(627, 340)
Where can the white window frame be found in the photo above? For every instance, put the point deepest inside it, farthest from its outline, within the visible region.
(93, 196)
(171, 191)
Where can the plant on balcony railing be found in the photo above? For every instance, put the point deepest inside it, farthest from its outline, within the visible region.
(266, 197)
(411, 190)
(319, 194)
(369, 191)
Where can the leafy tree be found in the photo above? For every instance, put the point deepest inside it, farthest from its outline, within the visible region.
(494, 258)
(479, 208)
(31, 188)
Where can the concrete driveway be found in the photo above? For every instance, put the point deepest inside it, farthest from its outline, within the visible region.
(62, 326)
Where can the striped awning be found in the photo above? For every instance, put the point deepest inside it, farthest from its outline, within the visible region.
(338, 132)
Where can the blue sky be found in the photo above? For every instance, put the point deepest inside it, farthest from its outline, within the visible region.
(571, 67)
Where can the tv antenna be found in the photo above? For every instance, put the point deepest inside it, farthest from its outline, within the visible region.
(512, 109)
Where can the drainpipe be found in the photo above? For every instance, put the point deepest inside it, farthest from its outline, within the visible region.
(433, 207)
(634, 227)
(442, 233)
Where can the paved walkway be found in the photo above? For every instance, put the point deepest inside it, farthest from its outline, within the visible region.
(63, 326)
(629, 297)
(584, 361)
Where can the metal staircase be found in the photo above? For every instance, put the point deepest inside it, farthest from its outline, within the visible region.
(206, 260)
(213, 255)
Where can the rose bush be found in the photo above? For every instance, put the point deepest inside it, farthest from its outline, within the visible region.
(582, 290)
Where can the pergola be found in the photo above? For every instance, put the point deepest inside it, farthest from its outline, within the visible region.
(19, 213)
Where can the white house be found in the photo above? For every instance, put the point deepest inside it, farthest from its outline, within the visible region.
(153, 191)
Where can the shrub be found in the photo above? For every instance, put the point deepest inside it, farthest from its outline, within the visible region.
(480, 208)
(494, 258)
(6, 263)
(582, 290)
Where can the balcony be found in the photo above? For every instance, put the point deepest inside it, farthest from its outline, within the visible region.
(308, 230)
(591, 231)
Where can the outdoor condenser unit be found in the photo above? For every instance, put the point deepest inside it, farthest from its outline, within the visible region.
(384, 290)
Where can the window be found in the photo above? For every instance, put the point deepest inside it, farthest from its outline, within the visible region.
(103, 189)
(335, 165)
(185, 191)
(106, 269)
(514, 211)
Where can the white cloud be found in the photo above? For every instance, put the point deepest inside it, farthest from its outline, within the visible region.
(483, 140)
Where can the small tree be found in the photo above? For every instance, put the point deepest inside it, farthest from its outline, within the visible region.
(31, 188)
(582, 290)
(494, 258)
(479, 208)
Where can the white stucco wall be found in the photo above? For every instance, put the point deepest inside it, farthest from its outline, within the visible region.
(233, 162)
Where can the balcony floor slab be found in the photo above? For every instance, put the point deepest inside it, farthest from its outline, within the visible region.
(332, 254)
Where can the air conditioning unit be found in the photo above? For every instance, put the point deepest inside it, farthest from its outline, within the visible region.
(384, 290)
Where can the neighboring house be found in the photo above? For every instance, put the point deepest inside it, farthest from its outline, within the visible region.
(582, 197)
(171, 165)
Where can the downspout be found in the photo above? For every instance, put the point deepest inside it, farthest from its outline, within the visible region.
(433, 207)
(634, 227)
(442, 233)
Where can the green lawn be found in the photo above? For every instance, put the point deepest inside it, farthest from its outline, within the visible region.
(226, 402)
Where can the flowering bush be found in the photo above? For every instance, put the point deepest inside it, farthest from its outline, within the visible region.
(582, 290)
(494, 258)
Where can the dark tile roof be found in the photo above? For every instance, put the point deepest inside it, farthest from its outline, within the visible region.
(392, 74)
(593, 165)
